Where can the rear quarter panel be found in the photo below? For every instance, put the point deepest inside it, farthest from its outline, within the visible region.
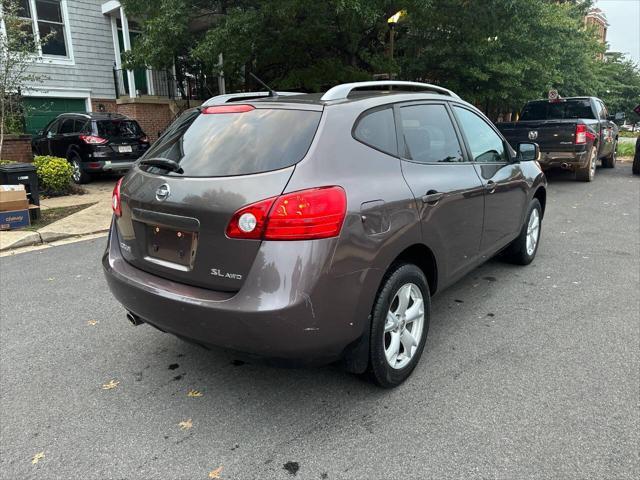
(368, 177)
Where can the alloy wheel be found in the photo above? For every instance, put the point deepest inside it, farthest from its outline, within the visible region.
(533, 231)
(403, 326)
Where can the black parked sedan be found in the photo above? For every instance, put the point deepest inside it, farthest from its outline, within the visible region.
(92, 142)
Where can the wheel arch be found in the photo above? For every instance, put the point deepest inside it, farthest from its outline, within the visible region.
(541, 195)
(423, 257)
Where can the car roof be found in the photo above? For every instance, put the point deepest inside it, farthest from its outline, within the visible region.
(96, 116)
(344, 93)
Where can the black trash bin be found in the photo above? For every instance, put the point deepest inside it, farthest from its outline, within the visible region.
(24, 173)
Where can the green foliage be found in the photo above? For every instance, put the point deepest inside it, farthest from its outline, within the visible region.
(54, 174)
(17, 46)
(626, 149)
(624, 133)
(496, 54)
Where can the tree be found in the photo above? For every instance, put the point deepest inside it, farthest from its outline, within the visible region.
(619, 86)
(17, 49)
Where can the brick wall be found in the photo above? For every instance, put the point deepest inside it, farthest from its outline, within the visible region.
(107, 104)
(152, 117)
(17, 148)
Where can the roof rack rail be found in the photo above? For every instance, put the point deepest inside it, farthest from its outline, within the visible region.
(340, 92)
(232, 97)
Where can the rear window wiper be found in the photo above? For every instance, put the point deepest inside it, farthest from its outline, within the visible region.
(167, 164)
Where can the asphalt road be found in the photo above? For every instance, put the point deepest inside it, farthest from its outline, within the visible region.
(529, 372)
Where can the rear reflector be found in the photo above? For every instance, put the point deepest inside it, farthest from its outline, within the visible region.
(115, 200)
(304, 215)
(93, 139)
(227, 109)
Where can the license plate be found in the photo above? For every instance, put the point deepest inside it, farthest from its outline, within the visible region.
(175, 246)
(125, 149)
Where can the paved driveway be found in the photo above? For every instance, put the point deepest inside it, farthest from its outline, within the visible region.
(528, 373)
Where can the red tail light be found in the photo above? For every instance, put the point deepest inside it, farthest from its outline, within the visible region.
(583, 134)
(227, 109)
(93, 139)
(304, 215)
(115, 200)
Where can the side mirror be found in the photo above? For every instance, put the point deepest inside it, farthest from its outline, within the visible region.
(528, 151)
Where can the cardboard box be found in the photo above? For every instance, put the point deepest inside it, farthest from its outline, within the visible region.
(14, 219)
(11, 200)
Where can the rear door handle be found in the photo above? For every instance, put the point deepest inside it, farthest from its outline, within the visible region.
(490, 186)
(432, 197)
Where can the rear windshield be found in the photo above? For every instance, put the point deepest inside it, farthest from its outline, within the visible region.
(118, 128)
(224, 144)
(557, 111)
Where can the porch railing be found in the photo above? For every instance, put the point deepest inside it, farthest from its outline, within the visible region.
(159, 83)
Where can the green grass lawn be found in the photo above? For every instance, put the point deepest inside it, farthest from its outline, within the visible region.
(626, 149)
(51, 215)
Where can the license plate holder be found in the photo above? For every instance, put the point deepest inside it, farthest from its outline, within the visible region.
(125, 149)
(170, 245)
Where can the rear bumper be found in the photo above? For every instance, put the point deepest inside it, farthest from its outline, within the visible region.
(96, 166)
(300, 321)
(567, 160)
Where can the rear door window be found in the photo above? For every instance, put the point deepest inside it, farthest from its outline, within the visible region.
(429, 136)
(67, 126)
(377, 129)
(118, 129)
(239, 143)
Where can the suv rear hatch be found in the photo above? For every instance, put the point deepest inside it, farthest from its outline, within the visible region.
(124, 137)
(173, 223)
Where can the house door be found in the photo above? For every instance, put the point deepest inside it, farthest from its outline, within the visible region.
(139, 74)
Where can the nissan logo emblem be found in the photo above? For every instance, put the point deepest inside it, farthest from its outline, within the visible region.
(533, 134)
(163, 192)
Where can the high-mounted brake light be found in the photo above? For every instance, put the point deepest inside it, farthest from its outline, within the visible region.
(115, 200)
(227, 109)
(93, 139)
(304, 215)
(583, 134)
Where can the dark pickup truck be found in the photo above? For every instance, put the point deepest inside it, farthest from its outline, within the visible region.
(573, 133)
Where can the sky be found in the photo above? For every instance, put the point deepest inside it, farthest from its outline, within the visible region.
(623, 34)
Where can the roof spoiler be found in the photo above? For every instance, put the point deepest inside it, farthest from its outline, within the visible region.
(341, 92)
(232, 97)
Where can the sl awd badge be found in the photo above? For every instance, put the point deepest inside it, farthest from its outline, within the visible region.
(163, 192)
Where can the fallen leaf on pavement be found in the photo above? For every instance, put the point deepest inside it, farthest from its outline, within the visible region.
(194, 393)
(112, 384)
(186, 424)
(37, 457)
(215, 473)
(92, 322)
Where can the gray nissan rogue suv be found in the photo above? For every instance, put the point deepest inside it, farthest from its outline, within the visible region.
(315, 228)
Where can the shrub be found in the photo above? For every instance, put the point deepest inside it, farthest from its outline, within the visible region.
(6, 162)
(54, 174)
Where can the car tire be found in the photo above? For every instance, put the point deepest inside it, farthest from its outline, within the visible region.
(79, 176)
(588, 173)
(394, 329)
(610, 160)
(636, 160)
(523, 249)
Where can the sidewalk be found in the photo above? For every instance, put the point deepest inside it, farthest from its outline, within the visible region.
(94, 219)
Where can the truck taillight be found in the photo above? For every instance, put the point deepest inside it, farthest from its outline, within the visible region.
(583, 134)
(304, 215)
(115, 200)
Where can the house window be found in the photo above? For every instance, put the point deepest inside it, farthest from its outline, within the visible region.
(48, 24)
